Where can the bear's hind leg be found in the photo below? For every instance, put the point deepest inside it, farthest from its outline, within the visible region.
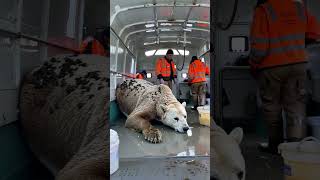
(139, 123)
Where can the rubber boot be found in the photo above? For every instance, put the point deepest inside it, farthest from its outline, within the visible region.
(275, 138)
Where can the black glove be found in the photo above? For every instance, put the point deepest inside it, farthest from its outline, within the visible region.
(160, 76)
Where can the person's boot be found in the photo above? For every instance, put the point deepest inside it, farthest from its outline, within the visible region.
(275, 138)
(266, 148)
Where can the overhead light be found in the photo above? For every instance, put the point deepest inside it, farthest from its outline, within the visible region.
(150, 30)
(189, 25)
(149, 43)
(186, 29)
(149, 25)
(166, 24)
(165, 30)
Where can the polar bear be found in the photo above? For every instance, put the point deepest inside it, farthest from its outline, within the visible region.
(64, 110)
(141, 102)
(226, 161)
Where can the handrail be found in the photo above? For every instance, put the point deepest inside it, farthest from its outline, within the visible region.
(204, 53)
(115, 72)
(19, 35)
(122, 42)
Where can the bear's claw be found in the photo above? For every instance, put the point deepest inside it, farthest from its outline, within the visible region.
(152, 135)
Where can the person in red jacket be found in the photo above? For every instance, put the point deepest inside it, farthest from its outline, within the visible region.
(278, 61)
(197, 79)
(166, 70)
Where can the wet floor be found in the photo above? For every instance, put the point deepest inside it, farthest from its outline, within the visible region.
(259, 165)
(182, 168)
(133, 144)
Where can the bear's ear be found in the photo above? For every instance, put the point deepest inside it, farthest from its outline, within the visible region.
(184, 104)
(164, 108)
(237, 134)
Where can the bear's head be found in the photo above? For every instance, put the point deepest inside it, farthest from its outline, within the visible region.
(226, 157)
(175, 116)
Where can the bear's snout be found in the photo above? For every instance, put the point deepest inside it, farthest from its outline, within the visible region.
(185, 129)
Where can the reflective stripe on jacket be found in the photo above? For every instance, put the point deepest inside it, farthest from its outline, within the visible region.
(278, 33)
(163, 68)
(197, 72)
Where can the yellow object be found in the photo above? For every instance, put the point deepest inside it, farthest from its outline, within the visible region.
(204, 115)
(302, 171)
(301, 159)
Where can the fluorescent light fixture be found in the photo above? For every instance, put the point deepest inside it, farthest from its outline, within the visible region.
(184, 75)
(189, 25)
(149, 25)
(149, 43)
(182, 51)
(166, 24)
(162, 52)
(186, 29)
(149, 53)
(150, 30)
(149, 75)
(165, 29)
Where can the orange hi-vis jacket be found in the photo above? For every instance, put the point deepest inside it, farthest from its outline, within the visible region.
(139, 76)
(96, 47)
(197, 72)
(278, 33)
(163, 68)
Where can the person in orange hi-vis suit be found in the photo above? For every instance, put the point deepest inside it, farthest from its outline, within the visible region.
(95, 45)
(197, 78)
(141, 75)
(166, 70)
(278, 62)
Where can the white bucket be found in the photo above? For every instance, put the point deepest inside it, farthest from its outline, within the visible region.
(301, 159)
(314, 122)
(114, 151)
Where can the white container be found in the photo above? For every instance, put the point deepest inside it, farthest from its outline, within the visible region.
(114, 151)
(314, 122)
(301, 159)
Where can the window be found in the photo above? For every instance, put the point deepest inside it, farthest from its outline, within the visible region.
(238, 43)
(162, 52)
(113, 50)
(132, 66)
(149, 75)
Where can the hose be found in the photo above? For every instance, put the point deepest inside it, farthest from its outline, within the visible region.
(235, 7)
(184, 58)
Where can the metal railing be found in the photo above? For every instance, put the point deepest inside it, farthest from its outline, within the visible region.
(19, 35)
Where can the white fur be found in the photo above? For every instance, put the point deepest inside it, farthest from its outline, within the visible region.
(175, 116)
(227, 159)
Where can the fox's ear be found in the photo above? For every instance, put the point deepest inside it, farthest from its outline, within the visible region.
(237, 134)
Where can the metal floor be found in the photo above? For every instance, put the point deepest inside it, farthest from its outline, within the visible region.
(178, 168)
(133, 145)
(259, 165)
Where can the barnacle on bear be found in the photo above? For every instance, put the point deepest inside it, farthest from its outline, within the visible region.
(142, 102)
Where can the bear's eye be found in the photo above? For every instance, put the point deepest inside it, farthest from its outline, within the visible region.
(177, 119)
(185, 116)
